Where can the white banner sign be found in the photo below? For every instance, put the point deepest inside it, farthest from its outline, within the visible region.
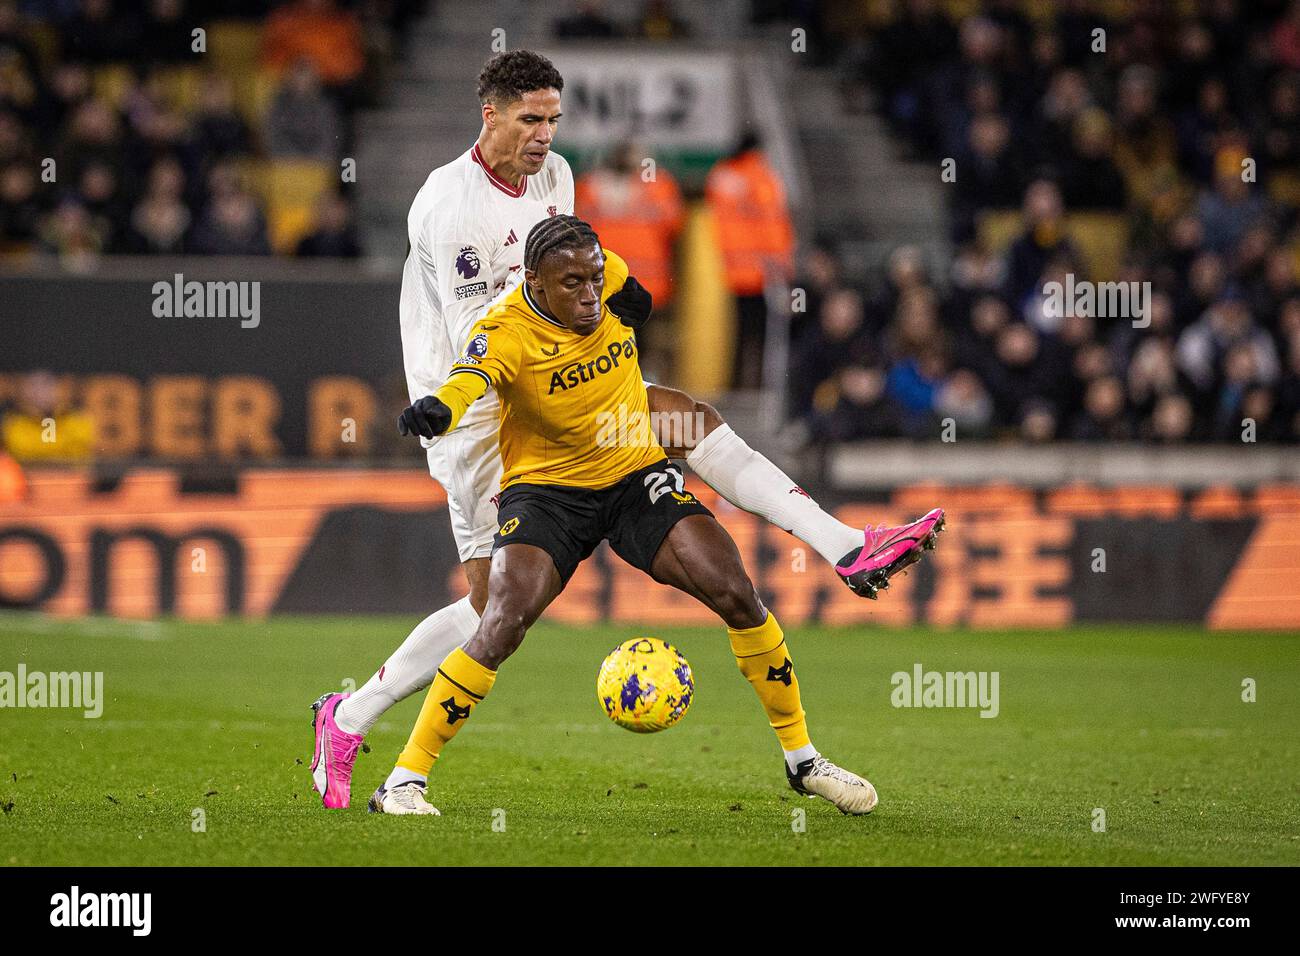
(680, 100)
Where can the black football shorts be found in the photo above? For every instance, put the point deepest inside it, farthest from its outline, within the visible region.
(634, 514)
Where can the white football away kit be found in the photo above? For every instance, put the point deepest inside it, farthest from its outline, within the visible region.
(467, 229)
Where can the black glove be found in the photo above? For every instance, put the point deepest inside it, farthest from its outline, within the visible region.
(428, 417)
(632, 304)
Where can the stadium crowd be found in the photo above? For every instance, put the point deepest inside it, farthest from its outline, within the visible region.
(1146, 142)
(163, 143)
(1178, 146)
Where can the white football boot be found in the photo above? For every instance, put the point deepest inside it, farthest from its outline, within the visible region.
(818, 777)
(405, 799)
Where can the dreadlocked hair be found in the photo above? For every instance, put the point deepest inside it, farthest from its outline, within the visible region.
(556, 232)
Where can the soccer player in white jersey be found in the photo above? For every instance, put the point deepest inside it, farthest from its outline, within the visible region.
(467, 228)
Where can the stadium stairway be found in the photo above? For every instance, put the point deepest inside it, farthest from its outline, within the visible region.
(430, 116)
(865, 195)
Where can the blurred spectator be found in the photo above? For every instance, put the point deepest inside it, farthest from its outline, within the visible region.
(837, 341)
(821, 275)
(1090, 179)
(905, 274)
(659, 22)
(963, 398)
(1146, 144)
(1278, 131)
(1286, 38)
(1103, 416)
(1038, 421)
(42, 425)
(988, 175)
(637, 211)
(165, 36)
(918, 360)
(1022, 372)
(1043, 238)
(20, 209)
(219, 130)
(1231, 208)
(335, 232)
(587, 22)
(103, 31)
(93, 135)
(160, 221)
(232, 224)
(71, 234)
(747, 201)
(302, 121)
(857, 408)
(1171, 422)
(1203, 347)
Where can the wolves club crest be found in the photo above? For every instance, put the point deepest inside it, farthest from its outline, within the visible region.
(454, 710)
(782, 673)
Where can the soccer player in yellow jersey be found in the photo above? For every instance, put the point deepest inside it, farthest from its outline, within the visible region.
(561, 363)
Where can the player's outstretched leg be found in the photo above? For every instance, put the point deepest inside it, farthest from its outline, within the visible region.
(341, 721)
(699, 557)
(864, 559)
(522, 583)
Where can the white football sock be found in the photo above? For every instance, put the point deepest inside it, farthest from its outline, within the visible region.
(401, 775)
(795, 757)
(410, 668)
(752, 483)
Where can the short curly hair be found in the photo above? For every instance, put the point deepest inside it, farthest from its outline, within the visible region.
(508, 76)
(556, 232)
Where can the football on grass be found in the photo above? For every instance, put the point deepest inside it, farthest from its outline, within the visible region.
(645, 685)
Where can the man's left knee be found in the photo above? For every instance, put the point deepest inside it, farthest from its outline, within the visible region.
(737, 601)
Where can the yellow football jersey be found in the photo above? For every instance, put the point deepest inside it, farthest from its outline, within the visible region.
(573, 407)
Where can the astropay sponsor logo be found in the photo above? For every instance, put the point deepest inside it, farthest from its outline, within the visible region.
(579, 373)
(73, 909)
(922, 688)
(79, 690)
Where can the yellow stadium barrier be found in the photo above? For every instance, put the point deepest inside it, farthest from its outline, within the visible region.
(706, 315)
(1101, 237)
(234, 46)
(183, 86)
(289, 190)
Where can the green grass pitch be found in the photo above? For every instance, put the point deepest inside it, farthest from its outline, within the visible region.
(1147, 723)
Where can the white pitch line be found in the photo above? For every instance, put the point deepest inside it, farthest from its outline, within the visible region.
(83, 626)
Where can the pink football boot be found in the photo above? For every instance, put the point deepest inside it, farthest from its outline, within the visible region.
(335, 753)
(886, 551)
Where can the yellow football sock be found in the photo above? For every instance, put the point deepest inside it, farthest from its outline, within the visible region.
(461, 682)
(765, 661)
